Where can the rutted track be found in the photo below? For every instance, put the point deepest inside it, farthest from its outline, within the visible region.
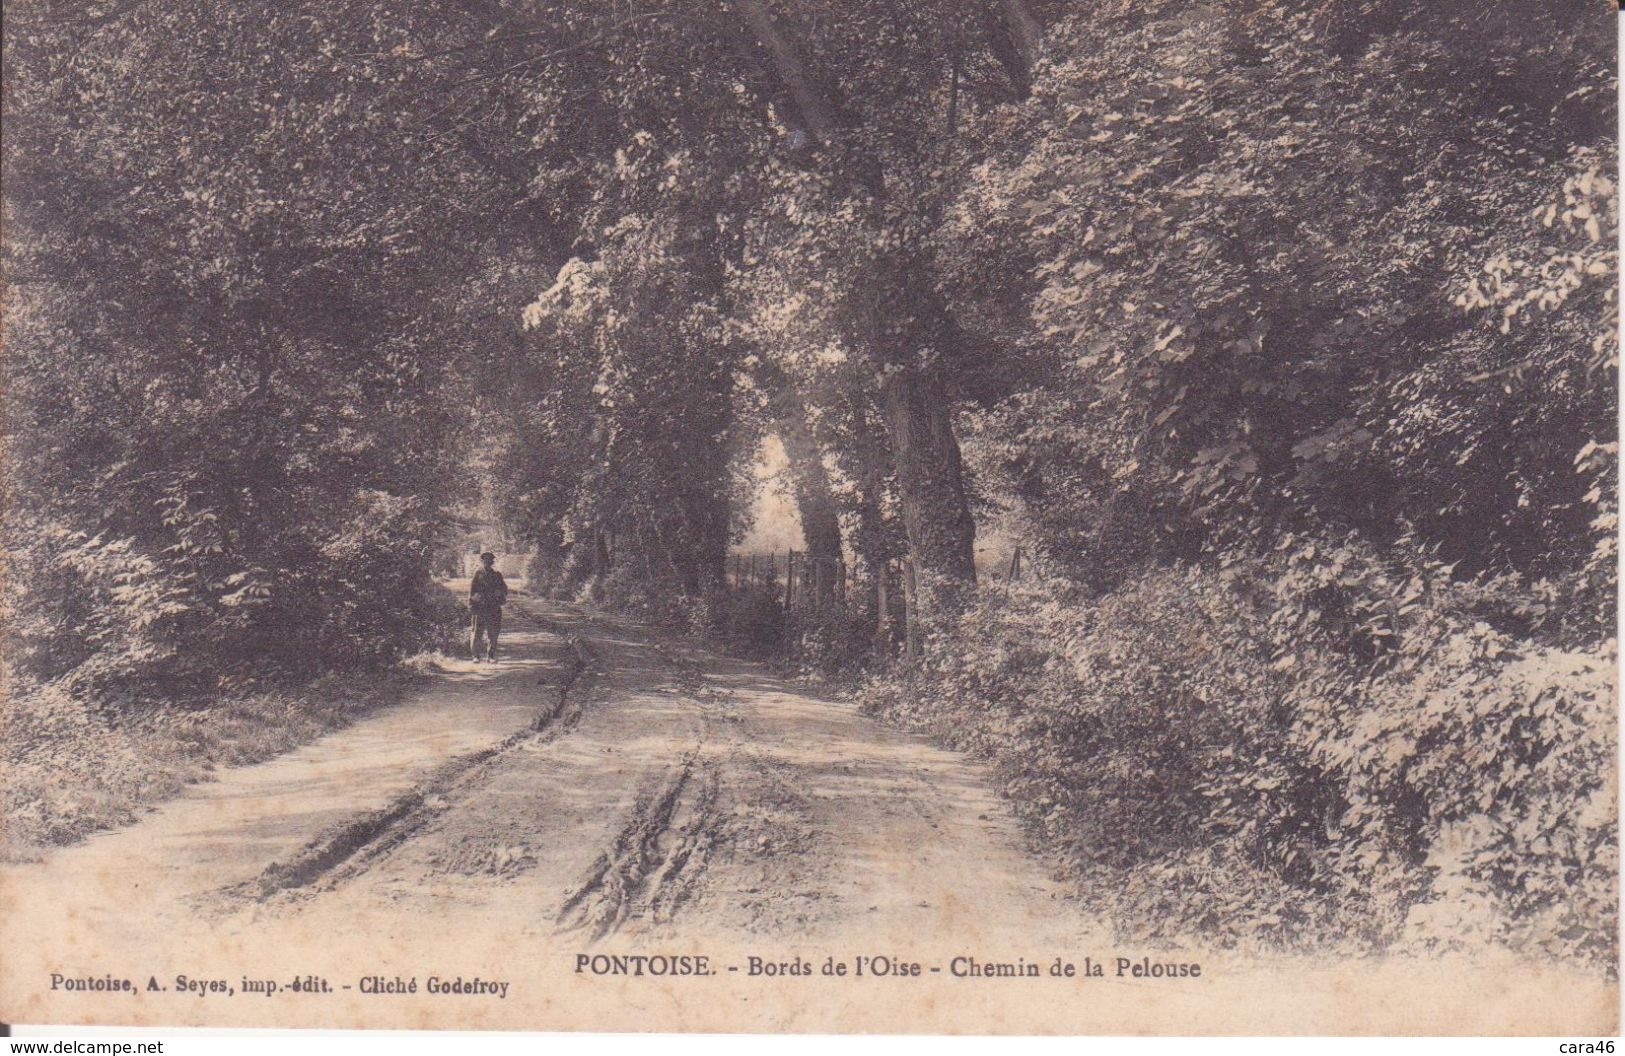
(629, 728)
(667, 789)
(643, 790)
(656, 860)
(601, 789)
(651, 865)
(345, 852)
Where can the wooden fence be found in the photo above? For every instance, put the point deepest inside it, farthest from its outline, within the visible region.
(806, 581)
(802, 583)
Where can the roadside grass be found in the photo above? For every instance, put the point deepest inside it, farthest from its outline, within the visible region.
(67, 771)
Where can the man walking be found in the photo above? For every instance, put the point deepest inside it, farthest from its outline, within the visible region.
(486, 596)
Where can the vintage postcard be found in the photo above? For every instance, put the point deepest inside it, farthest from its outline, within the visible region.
(919, 516)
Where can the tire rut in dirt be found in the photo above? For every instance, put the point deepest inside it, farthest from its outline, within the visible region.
(725, 835)
(655, 862)
(343, 853)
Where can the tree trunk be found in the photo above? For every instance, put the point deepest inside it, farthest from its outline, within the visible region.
(815, 118)
(883, 636)
(911, 612)
(820, 523)
(876, 542)
(1025, 32)
(1016, 39)
(936, 516)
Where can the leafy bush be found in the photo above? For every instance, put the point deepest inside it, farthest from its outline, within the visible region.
(94, 614)
(1307, 314)
(658, 601)
(1314, 750)
(1490, 759)
(831, 640)
(749, 620)
(130, 674)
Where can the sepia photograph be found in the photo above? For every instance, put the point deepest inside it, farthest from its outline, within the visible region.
(1002, 517)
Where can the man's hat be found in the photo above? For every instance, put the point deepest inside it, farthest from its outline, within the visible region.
(488, 556)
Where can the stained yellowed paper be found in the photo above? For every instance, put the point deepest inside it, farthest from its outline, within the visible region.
(614, 827)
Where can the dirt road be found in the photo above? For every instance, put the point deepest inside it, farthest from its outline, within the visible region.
(598, 786)
(648, 788)
(600, 790)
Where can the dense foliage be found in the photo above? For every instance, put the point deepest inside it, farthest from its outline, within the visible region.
(1281, 336)
(1294, 353)
(1321, 463)
(230, 408)
(233, 395)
